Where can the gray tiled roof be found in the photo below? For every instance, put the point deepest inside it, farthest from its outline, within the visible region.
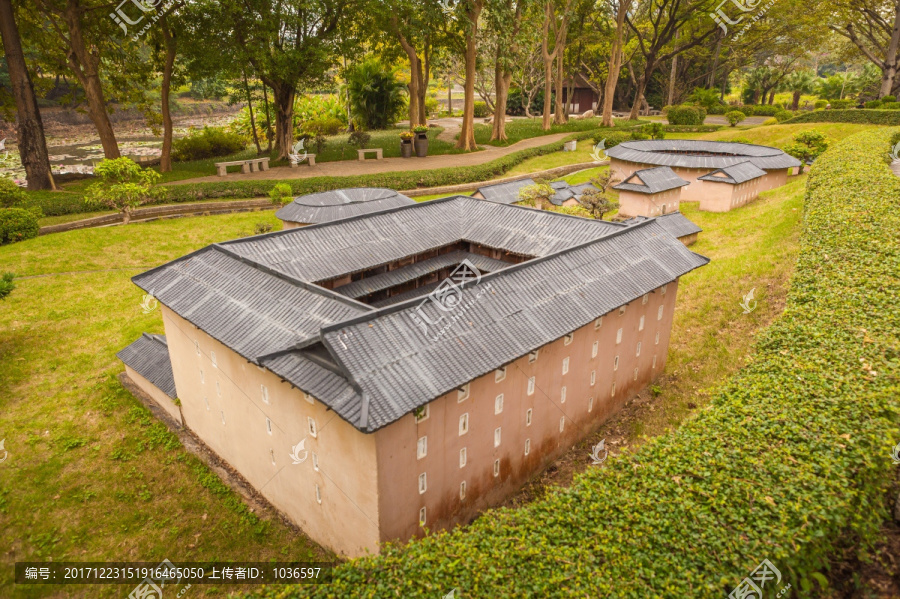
(327, 206)
(695, 153)
(414, 271)
(652, 180)
(735, 173)
(508, 193)
(372, 366)
(149, 357)
(677, 224)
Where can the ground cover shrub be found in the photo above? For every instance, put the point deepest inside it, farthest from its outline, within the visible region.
(376, 94)
(208, 142)
(481, 110)
(783, 115)
(862, 117)
(686, 115)
(17, 224)
(807, 146)
(56, 203)
(691, 128)
(122, 185)
(734, 117)
(890, 106)
(791, 461)
(6, 284)
(280, 194)
(11, 195)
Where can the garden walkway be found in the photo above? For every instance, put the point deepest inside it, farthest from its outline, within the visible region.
(895, 166)
(345, 168)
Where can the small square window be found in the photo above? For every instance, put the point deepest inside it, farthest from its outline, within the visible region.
(562, 395)
(496, 467)
(531, 385)
(315, 460)
(622, 310)
(223, 417)
(593, 377)
(498, 404)
(268, 426)
(619, 336)
(202, 377)
(613, 392)
(422, 517)
(318, 494)
(616, 363)
(218, 389)
(499, 374)
(272, 455)
(207, 403)
(598, 323)
(528, 417)
(197, 346)
(562, 423)
(568, 338)
(311, 426)
(662, 289)
(565, 365)
(212, 358)
(264, 393)
(590, 403)
(641, 324)
(462, 490)
(533, 356)
(595, 349)
(463, 456)
(638, 353)
(527, 446)
(644, 299)
(423, 483)
(497, 437)
(654, 361)
(422, 412)
(462, 393)
(421, 448)
(464, 424)
(659, 313)
(635, 373)
(657, 337)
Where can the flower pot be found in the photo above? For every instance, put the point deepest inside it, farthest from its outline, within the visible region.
(421, 145)
(406, 149)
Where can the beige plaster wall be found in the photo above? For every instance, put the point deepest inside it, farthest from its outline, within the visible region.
(226, 407)
(400, 501)
(632, 203)
(155, 393)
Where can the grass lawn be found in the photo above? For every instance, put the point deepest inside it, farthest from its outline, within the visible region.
(92, 476)
(776, 135)
(519, 129)
(67, 218)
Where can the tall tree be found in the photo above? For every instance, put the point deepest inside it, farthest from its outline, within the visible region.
(505, 18)
(29, 127)
(874, 28)
(615, 61)
(553, 36)
(471, 11)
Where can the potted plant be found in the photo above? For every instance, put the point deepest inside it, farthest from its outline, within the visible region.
(421, 141)
(406, 143)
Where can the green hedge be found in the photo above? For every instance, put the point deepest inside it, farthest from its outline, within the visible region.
(862, 117)
(790, 462)
(192, 192)
(57, 203)
(691, 128)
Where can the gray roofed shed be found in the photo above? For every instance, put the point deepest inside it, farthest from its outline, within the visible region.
(149, 357)
(652, 180)
(327, 206)
(734, 174)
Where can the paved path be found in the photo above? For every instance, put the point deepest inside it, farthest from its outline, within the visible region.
(895, 166)
(369, 167)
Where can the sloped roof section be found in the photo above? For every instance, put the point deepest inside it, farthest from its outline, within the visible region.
(735, 173)
(652, 180)
(327, 206)
(695, 153)
(508, 193)
(149, 357)
(677, 224)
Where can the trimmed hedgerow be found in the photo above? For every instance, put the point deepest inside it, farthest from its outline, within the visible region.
(691, 128)
(862, 117)
(790, 462)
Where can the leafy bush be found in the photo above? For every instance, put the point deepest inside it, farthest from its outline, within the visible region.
(734, 117)
(536, 195)
(707, 98)
(323, 125)
(432, 106)
(890, 106)
(209, 142)
(17, 224)
(686, 115)
(280, 194)
(6, 284)
(862, 117)
(760, 109)
(611, 139)
(481, 110)
(11, 195)
(889, 98)
(807, 146)
(691, 128)
(122, 185)
(654, 130)
(783, 115)
(841, 104)
(873, 104)
(823, 382)
(377, 97)
(820, 104)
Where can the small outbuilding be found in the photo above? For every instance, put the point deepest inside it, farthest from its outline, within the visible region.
(326, 206)
(730, 187)
(508, 192)
(675, 223)
(650, 192)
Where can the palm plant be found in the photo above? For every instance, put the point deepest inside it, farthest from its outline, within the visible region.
(799, 83)
(377, 98)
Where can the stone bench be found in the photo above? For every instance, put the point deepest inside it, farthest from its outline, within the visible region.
(310, 157)
(361, 154)
(247, 166)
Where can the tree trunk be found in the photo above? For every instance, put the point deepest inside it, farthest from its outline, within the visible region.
(715, 66)
(672, 73)
(502, 81)
(283, 96)
(466, 139)
(29, 127)
(640, 86)
(795, 104)
(86, 64)
(252, 120)
(772, 97)
(615, 63)
(268, 120)
(449, 97)
(891, 56)
(126, 216)
(562, 116)
(165, 159)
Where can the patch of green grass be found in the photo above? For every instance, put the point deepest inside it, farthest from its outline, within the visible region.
(548, 161)
(779, 135)
(68, 218)
(519, 129)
